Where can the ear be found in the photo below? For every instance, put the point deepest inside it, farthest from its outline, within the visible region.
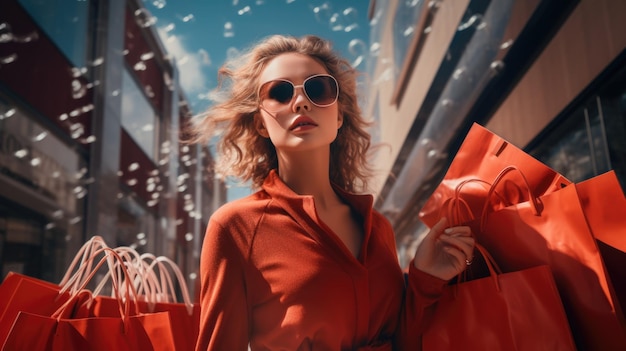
(260, 126)
(339, 120)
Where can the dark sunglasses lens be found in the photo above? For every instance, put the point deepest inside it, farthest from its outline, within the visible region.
(280, 91)
(322, 90)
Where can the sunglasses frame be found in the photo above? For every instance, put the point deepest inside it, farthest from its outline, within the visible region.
(303, 90)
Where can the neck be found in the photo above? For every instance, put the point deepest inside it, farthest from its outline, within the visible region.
(307, 173)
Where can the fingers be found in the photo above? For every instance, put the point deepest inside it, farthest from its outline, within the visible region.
(458, 237)
(459, 230)
(456, 242)
(439, 227)
(459, 243)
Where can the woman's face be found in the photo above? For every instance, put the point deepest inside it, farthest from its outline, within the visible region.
(287, 116)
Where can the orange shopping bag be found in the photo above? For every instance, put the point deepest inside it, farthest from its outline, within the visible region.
(604, 204)
(519, 310)
(552, 230)
(157, 293)
(480, 158)
(19, 292)
(185, 315)
(130, 330)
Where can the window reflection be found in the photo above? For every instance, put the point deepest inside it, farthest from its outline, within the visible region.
(571, 150)
(377, 22)
(65, 22)
(138, 116)
(589, 141)
(43, 185)
(404, 26)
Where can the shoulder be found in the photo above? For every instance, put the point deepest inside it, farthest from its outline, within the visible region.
(236, 222)
(244, 210)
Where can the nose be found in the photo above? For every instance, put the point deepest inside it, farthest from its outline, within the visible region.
(300, 100)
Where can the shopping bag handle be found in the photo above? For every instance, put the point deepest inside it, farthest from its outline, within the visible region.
(124, 303)
(141, 269)
(453, 205)
(535, 203)
(82, 257)
(136, 272)
(490, 262)
(166, 280)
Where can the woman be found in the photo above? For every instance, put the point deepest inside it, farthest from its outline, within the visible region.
(305, 263)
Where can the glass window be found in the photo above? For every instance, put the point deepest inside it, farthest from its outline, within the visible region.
(577, 150)
(65, 22)
(43, 186)
(404, 26)
(138, 116)
(591, 140)
(377, 25)
(137, 227)
(35, 156)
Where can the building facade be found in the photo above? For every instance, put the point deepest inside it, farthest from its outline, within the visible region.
(90, 115)
(548, 76)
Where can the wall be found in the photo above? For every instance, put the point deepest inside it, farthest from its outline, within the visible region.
(593, 35)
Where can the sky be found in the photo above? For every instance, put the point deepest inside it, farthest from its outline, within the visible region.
(202, 35)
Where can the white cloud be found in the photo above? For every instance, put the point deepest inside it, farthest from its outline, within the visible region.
(191, 76)
(206, 59)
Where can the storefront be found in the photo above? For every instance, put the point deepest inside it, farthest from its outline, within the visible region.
(547, 76)
(42, 190)
(90, 112)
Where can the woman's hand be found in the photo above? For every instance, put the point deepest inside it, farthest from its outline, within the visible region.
(445, 252)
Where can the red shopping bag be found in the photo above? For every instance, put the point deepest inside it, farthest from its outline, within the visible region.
(604, 204)
(519, 310)
(185, 322)
(185, 315)
(552, 229)
(28, 294)
(156, 293)
(131, 333)
(480, 158)
(19, 292)
(130, 330)
(602, 199)
(184, 318)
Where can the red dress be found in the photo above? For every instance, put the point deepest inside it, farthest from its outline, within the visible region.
(275, 277)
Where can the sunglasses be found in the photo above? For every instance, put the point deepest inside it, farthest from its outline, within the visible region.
(321, 89)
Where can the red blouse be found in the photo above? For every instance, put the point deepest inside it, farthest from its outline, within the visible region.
(274, 276)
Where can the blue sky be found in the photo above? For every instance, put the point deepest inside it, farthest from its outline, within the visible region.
(201, 35)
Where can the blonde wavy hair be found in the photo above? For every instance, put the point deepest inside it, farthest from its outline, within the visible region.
(246, 155)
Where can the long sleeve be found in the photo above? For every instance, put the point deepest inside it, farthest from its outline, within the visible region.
(416, 296)
(422, 291)
(224, 313)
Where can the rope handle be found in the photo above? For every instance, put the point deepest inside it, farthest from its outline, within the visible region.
(490, 262)
(161, 262)
(81, 258)
(532, 199)
(136, 272)
(451, 205)
(111, 257)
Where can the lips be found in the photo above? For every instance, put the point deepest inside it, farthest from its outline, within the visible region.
(302, 121)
